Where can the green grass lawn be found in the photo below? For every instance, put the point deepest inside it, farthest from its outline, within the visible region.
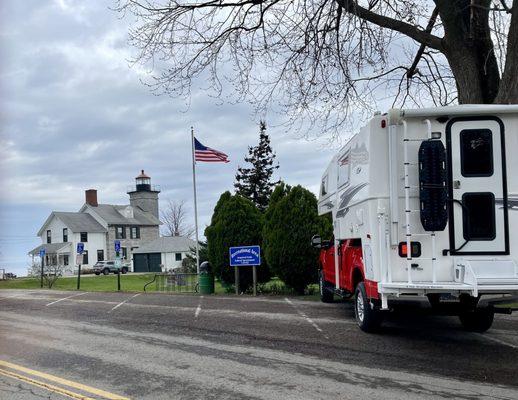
(93, 283)
(135, 283)
(512, 305)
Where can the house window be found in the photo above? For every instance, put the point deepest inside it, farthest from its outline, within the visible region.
(49, 236)
(124, 253)
(65, 259)
(65, 235)
(135, 232)
(84, 237)
(100, 255)
(178, 256)
(120, 232)
(85, 257)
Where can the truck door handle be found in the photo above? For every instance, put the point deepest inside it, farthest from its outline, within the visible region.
(456, 184)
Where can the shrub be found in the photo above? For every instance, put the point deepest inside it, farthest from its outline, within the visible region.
(290, 222)
(236, 222)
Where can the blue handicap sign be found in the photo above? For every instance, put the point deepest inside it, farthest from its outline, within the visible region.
(117, 246)
(80, 248)
(42, 252)
(245, 255)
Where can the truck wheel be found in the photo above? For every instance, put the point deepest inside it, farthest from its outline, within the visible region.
(106, 271)
(97, 273)
(124, 270)
(434, 300)
(368, 319)
(478, 320)
(326, 296)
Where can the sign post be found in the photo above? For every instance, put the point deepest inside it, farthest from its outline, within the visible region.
(118, 263)
(245, 256)
(80, 250)
(42, 256)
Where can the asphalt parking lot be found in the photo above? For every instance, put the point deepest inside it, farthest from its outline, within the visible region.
(159, 346)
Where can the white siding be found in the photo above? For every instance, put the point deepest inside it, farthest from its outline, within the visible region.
(56, 227)
(169, 260)
(96, 241)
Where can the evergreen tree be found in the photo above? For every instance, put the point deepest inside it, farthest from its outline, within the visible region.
(290, 222)
(236, 222)
(255, 183)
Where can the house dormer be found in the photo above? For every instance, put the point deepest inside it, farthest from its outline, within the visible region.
(127, 212)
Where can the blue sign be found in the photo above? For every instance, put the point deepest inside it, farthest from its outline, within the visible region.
(245, 255)
(80, 248)
(117, 246)
(42, 252)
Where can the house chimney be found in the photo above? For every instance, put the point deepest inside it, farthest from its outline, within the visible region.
(91, 197)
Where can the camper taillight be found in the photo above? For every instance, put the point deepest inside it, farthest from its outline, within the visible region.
(415, 246)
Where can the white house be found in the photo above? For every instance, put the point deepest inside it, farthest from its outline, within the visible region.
(164, 253)
(98, 226)
(60, 234)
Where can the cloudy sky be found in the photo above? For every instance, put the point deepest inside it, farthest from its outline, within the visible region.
(74, 115)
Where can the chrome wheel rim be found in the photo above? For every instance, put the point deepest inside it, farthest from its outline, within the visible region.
(359, 307)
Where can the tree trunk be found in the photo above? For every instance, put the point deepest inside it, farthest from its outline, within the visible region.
(469, 49)
(508, 93)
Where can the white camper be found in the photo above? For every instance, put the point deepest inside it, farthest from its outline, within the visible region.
(424, 202)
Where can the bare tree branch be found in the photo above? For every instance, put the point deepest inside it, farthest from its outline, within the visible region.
(420, 36)
(174, 218)
(321, 61)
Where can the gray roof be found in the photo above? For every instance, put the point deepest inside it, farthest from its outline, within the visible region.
(51, 248)
(110, 213)
(75, 221)
(79, 222)
(167, 244)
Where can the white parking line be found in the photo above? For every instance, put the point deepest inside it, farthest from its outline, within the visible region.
(65, 298)
(198, 309)
(303, 315)
(125, 301)
(499, 341)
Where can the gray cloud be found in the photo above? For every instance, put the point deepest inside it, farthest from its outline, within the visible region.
(74, 115)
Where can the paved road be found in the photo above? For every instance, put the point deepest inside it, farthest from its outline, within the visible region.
(152, 346)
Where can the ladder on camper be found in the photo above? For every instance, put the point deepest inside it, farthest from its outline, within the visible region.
(409, 211)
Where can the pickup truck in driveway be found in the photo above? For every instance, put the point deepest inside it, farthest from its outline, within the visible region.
(105, 267)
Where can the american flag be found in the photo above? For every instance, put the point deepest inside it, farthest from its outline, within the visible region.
(206, 154)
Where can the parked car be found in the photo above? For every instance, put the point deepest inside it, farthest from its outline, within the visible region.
(105, 267)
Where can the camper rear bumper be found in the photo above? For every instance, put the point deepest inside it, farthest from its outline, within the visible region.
(474, 276)
(422, 288)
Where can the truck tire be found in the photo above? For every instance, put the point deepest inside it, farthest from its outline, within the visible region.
(435, 300)
(106, 271)
(97, 273)
(367, 318)
(124, 270)
(477, 320)
(326, 296)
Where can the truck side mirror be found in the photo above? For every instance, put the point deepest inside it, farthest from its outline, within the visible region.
(316, 241)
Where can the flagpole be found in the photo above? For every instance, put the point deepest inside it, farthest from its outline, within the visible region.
(195, 202)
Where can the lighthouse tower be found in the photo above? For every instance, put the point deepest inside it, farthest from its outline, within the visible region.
(145, 196)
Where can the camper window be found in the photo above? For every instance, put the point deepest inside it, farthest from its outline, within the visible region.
(479, 216)
(476, 152)
(323, 189)
(344, 166)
